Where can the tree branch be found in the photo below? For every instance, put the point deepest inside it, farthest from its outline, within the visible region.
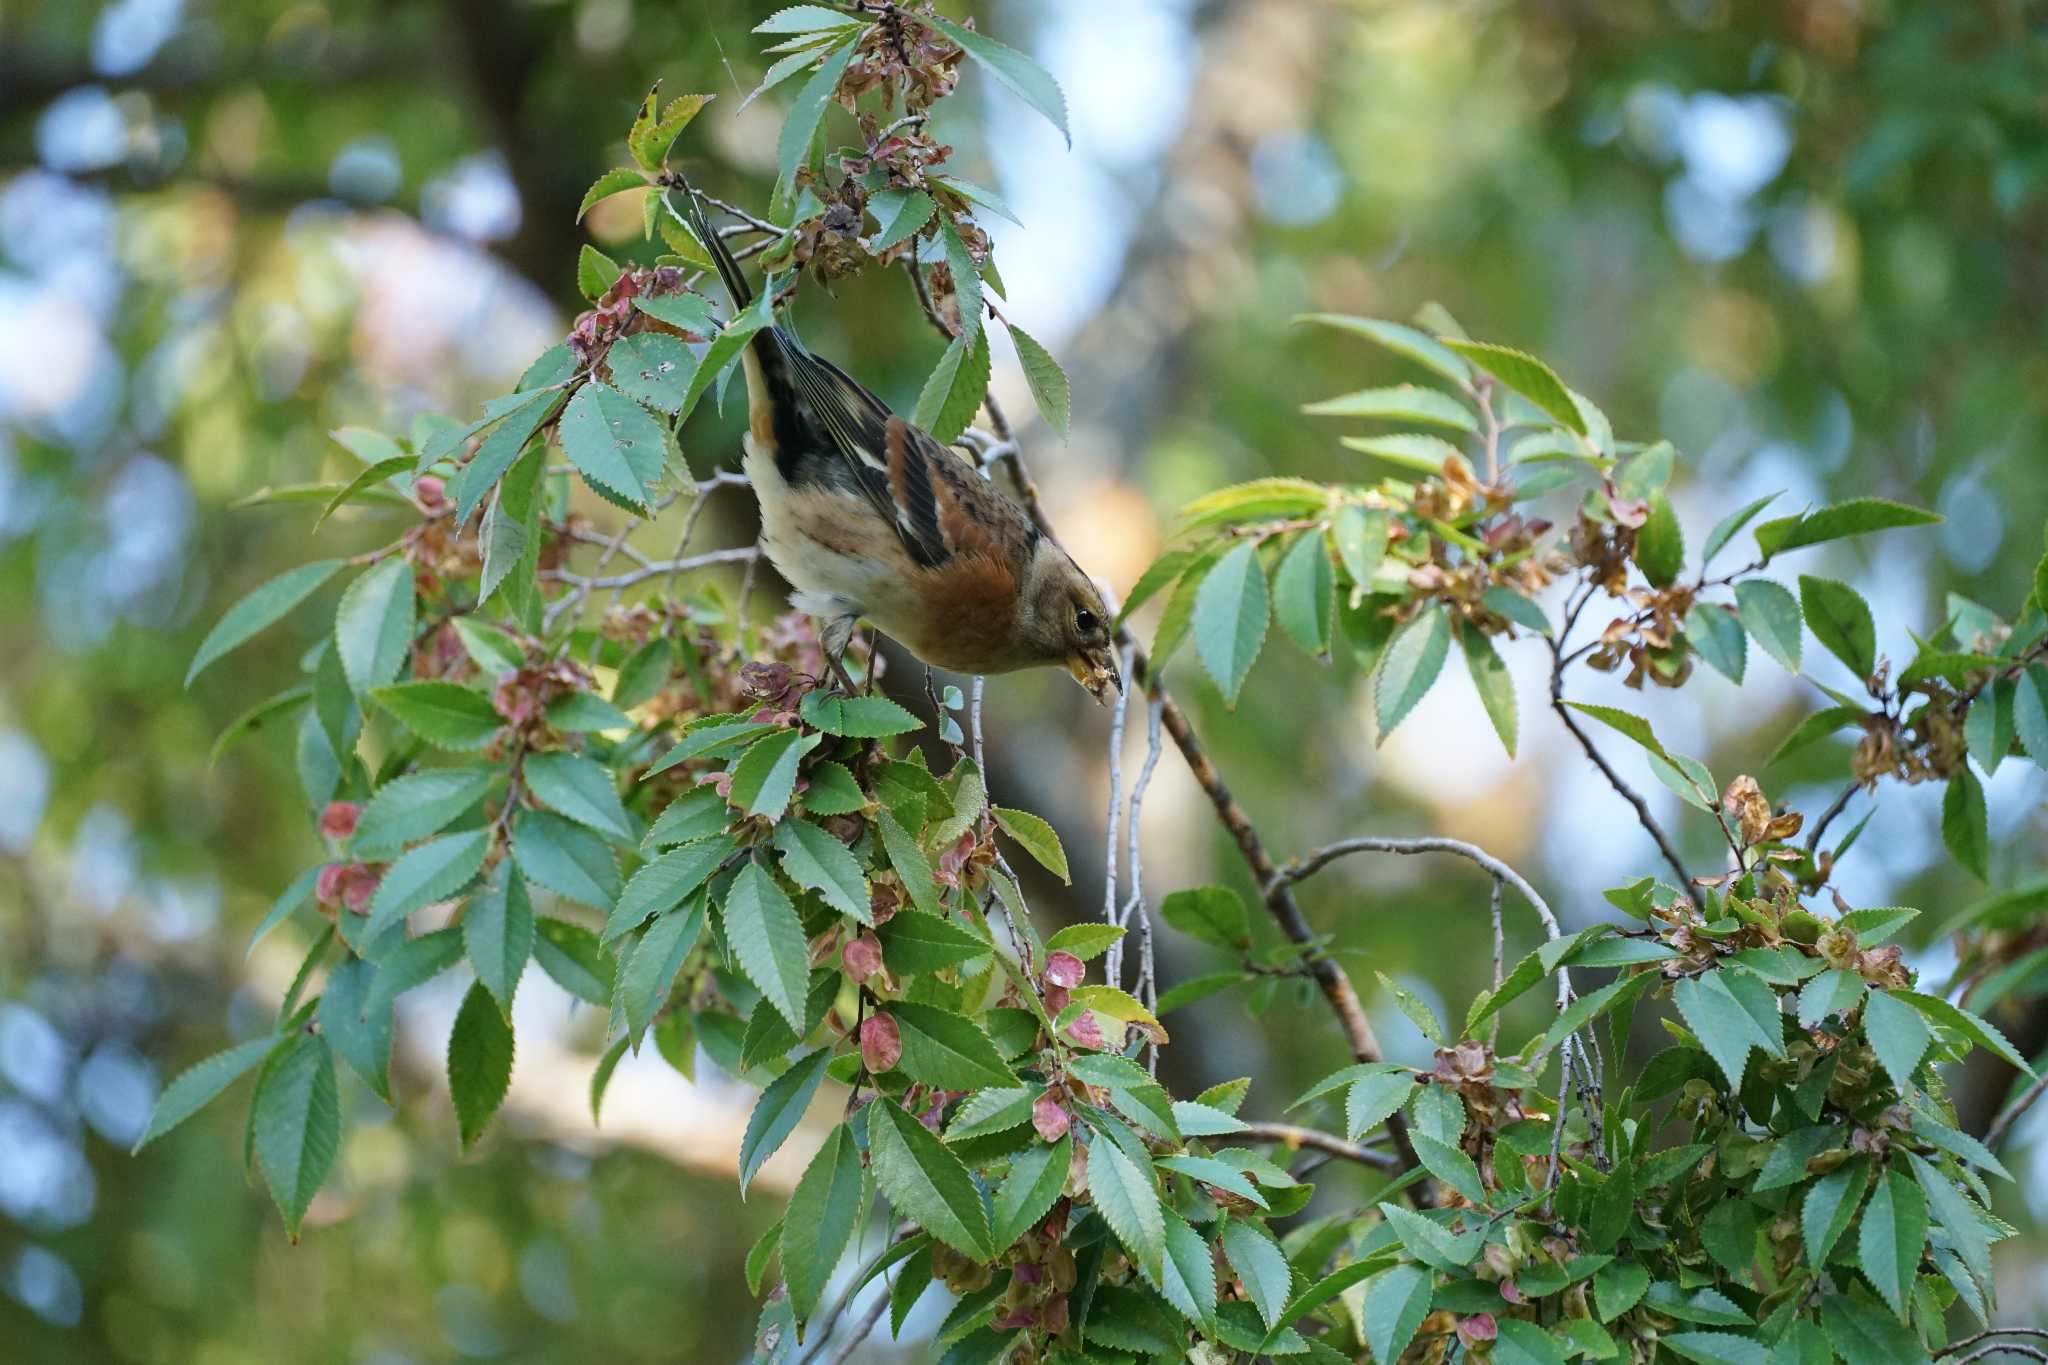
(1295, 1136)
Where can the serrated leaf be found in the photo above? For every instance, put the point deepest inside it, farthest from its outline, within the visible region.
(1430, 1242)
(2030, 712)
(901, 214)
(1187, 1273)
(1855, 517)
(1894, 1231)
(199, 1084)
(613, 443)
(1495, 686)
(295, 1123)
(1725, 529)
(578, 788)
(260, 608)
(1409, 666)
(1125, 1194)
(685, 312)
(953, 391)
(617, 180)
(1526, 375)
(1450, 1165)
(911, 865)
(1832, 992)
(1085, 941)
(1861, 1333)
(652, 368)
(925, 1182)
(1977, 1030)
(444, 714)
(997, 1109)
(373, 625)
(1524, 1343)
(1771, 614)
(1898, 1035)
(1717, 636)
(1037, 838)
(1231, 616)
(1660, 543)
(1050, 390)
(1717, 1348)
(1372, 1100)
(651, 137)
(1304, 593)
(1840, 619)
(1213, 914)
(1037, 1177)
(856, 717)
(565, 858)
(967, 290)
(1402, 403)
(479, 1063)
(1360, 534)
(430, 872)
(800, 124)
(823, 1210)
(1715, 1017)
(1260, 1264)
(595, 272)
(814, 858)
(497, 933)
(1395, 1305)
(648, 973)
(915, 943)
(1625, 723)
(1027, 78)
(779, 1110)
(768, 940)
(947, 1051)
(571, 955)
(764, 779)
(415, 806)
(1618, 1287)
(1965, 828)
(1410, 450)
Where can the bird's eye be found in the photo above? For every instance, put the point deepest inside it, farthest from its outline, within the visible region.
(1084, 620)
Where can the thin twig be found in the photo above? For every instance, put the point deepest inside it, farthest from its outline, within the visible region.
(1500, 945)
(1820, 826)
(2004, 1122)
(739, 554)
(1293, 1135)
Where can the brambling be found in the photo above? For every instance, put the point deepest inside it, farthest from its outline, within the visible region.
(868, 517)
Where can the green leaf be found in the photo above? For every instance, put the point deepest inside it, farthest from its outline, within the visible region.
(822, 1211)
(430, 872)
(651, 137)
(953, 392)
(415, 806)
(1524, 1343)
(856, 717)
(1430, 1242)
(800, 125)
(497, 933)
(911, 865)
(1988, 727)
(2030, 712)
(1660, 543)
(1719, 1021)
(295, 1123)
(1965, 830)
(1617, 1287)
(997, 1109)
(479, 1063)
(614, 181)
(1187, 1273)
(1402, 403)
(915, 943)
(649, 971)
(1037, 837)
(768, 939)
(1305, 593)
(765, 777)
(1832, 992)
(832, 791)
(925, 1182)
(1526, 375)
(262, 607)
(1395, 1305)
(947, 1051)
(595, 272)
(1231, 615)
(1360, 534)
(1977, 1030)
(565, 858)
(1260, 1264)
(1626, 723)
(652, 368)
(967, 295)
(1857, 516)
(1861, 1334)
(1508, 603)
(1496, 688)
(1085, 941)
(1898, 1034)
(1840, 619)
(199, 1084)
(1717, 636)
(1725, 529)
(507, 441)
(1894, 1232)
(1961, 1219)
(901, 215)
(1450, 1165)
(814, 858)
(1125, 1193)
(1210, 1171)
(1408, 449)
(780, 1109)
(443, 714)
(1050, 390)
(1027, 78)
(373, 625)
(362, 483)
(1814, 728)
(1213, 914)
(684, 312)
(1037, 1177)
(1409, 666)
(572, 956)
(1717, 1348)
(614, 444)
(575, 786)
(1771, 614)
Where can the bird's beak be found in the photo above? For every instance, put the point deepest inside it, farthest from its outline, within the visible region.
(1097, 672)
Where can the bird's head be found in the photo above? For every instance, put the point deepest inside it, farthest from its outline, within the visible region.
(1065, 622)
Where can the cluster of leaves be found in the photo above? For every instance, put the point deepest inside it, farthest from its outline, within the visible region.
(669, 816)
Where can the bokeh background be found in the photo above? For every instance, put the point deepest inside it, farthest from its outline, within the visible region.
(1805, 240)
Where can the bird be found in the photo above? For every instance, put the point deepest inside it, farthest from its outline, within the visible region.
(868, 517)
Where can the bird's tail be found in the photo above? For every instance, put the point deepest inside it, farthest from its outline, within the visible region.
(721, 255)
